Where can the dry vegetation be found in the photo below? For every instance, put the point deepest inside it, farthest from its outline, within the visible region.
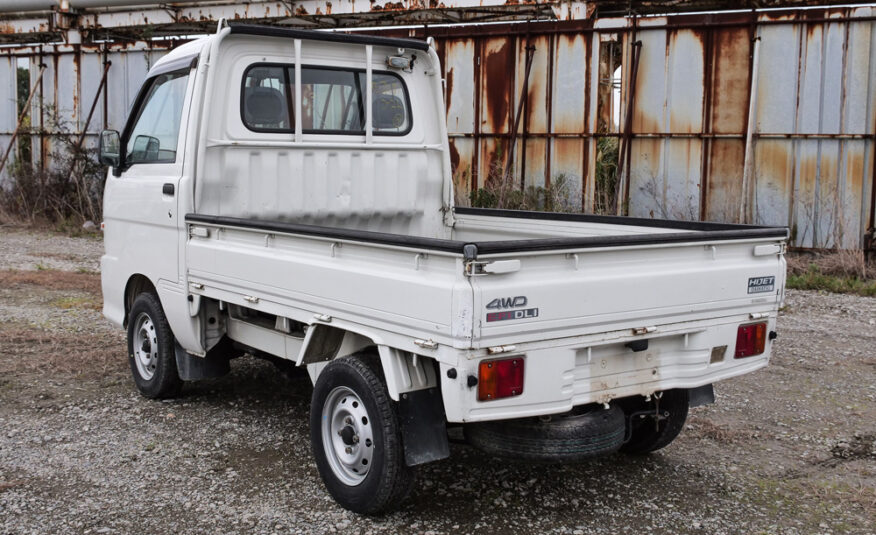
(28, 346)
(838, 271)
(28, 349)
(52, 280)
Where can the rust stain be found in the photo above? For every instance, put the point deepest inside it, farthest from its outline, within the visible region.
(855, 173)
(454, 157)
(497, 75)
(730, 86)
(536, 103)
(567, 156)
(724, 189)
(685, 118)
(448, 92)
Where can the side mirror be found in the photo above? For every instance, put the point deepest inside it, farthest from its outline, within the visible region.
(109, 152)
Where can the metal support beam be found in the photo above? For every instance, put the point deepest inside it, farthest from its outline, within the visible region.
(21, 116)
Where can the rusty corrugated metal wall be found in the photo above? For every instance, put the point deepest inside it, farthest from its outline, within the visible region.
(69, 88)
(812, 137)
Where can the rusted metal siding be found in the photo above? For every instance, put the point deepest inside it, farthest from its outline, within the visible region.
(485, 77)
(813, 128)
(68, 90)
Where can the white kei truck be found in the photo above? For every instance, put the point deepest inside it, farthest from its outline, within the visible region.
(288, 194)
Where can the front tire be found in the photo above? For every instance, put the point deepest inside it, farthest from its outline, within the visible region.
(151, 349)
(356, 438)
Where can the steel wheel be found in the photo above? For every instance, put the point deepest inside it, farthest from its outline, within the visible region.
(145, 346)
(347, 435)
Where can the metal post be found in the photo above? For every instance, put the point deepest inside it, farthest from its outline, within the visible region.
(21, 116)
(524, 96)
(369, 134)
(745, 209)
(93, 105)
(625, 156)
(299, 134)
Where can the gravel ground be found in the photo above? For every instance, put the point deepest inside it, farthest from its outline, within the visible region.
(790, 449)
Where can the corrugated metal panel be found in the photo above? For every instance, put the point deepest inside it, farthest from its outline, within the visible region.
(8, 108)
(813, 130)
(68, 90)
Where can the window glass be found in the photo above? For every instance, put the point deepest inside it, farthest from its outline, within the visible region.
(389, 112)
(332, 101)
(265, 99)
(156, 131)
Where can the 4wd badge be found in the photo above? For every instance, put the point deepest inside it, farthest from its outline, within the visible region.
(758, 285)
(510, 302)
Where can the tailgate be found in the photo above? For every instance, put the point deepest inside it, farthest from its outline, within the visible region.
(572, 293)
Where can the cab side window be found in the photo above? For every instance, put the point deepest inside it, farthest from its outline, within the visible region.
(331, 101)
(265, 99)
(153, 139)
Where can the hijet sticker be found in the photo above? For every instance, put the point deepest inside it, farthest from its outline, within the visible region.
(758, 285)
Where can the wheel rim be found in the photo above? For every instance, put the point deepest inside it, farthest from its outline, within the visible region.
(347, 436)
(145, 346)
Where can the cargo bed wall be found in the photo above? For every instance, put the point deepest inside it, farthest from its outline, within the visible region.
(597, 290)
(379, 287)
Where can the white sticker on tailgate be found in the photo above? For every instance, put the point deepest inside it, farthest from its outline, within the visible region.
(757, 285)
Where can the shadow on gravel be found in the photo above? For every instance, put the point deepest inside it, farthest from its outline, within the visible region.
(470, 488)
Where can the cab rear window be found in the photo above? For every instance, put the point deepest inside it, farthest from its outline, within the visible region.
(332, 100)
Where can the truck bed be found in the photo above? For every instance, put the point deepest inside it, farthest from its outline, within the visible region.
(582, 273)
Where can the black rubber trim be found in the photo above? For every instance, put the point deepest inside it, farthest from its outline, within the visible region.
(552, 244)
(400, 240)
(472, 250)
(291, 33)
(615, 220)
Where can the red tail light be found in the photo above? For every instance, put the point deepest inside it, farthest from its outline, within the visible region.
(500, 378)
(750, 340)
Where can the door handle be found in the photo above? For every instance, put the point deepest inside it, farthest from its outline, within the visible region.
(167, 189)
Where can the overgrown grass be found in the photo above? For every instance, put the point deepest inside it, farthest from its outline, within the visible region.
(838, 272)
(502, 191)
(814, 279)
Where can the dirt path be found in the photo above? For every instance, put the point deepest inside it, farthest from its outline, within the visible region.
(790, 449)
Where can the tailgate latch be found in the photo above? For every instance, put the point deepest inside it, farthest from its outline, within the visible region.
(475, 268)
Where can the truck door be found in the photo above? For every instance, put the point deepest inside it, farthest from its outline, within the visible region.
(142, 217)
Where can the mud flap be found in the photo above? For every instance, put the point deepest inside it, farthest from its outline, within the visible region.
(701, 395)
(192, 368)
(424, 433)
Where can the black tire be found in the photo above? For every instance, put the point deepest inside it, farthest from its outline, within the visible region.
(388, 480)
(147, 323)
(644, 437)
(584, 433)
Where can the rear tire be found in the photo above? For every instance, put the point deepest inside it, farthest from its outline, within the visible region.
(645, 437)
(584, 433)
(152, 349)
(356, 437)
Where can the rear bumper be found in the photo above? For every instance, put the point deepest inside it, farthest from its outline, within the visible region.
(559, 376)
